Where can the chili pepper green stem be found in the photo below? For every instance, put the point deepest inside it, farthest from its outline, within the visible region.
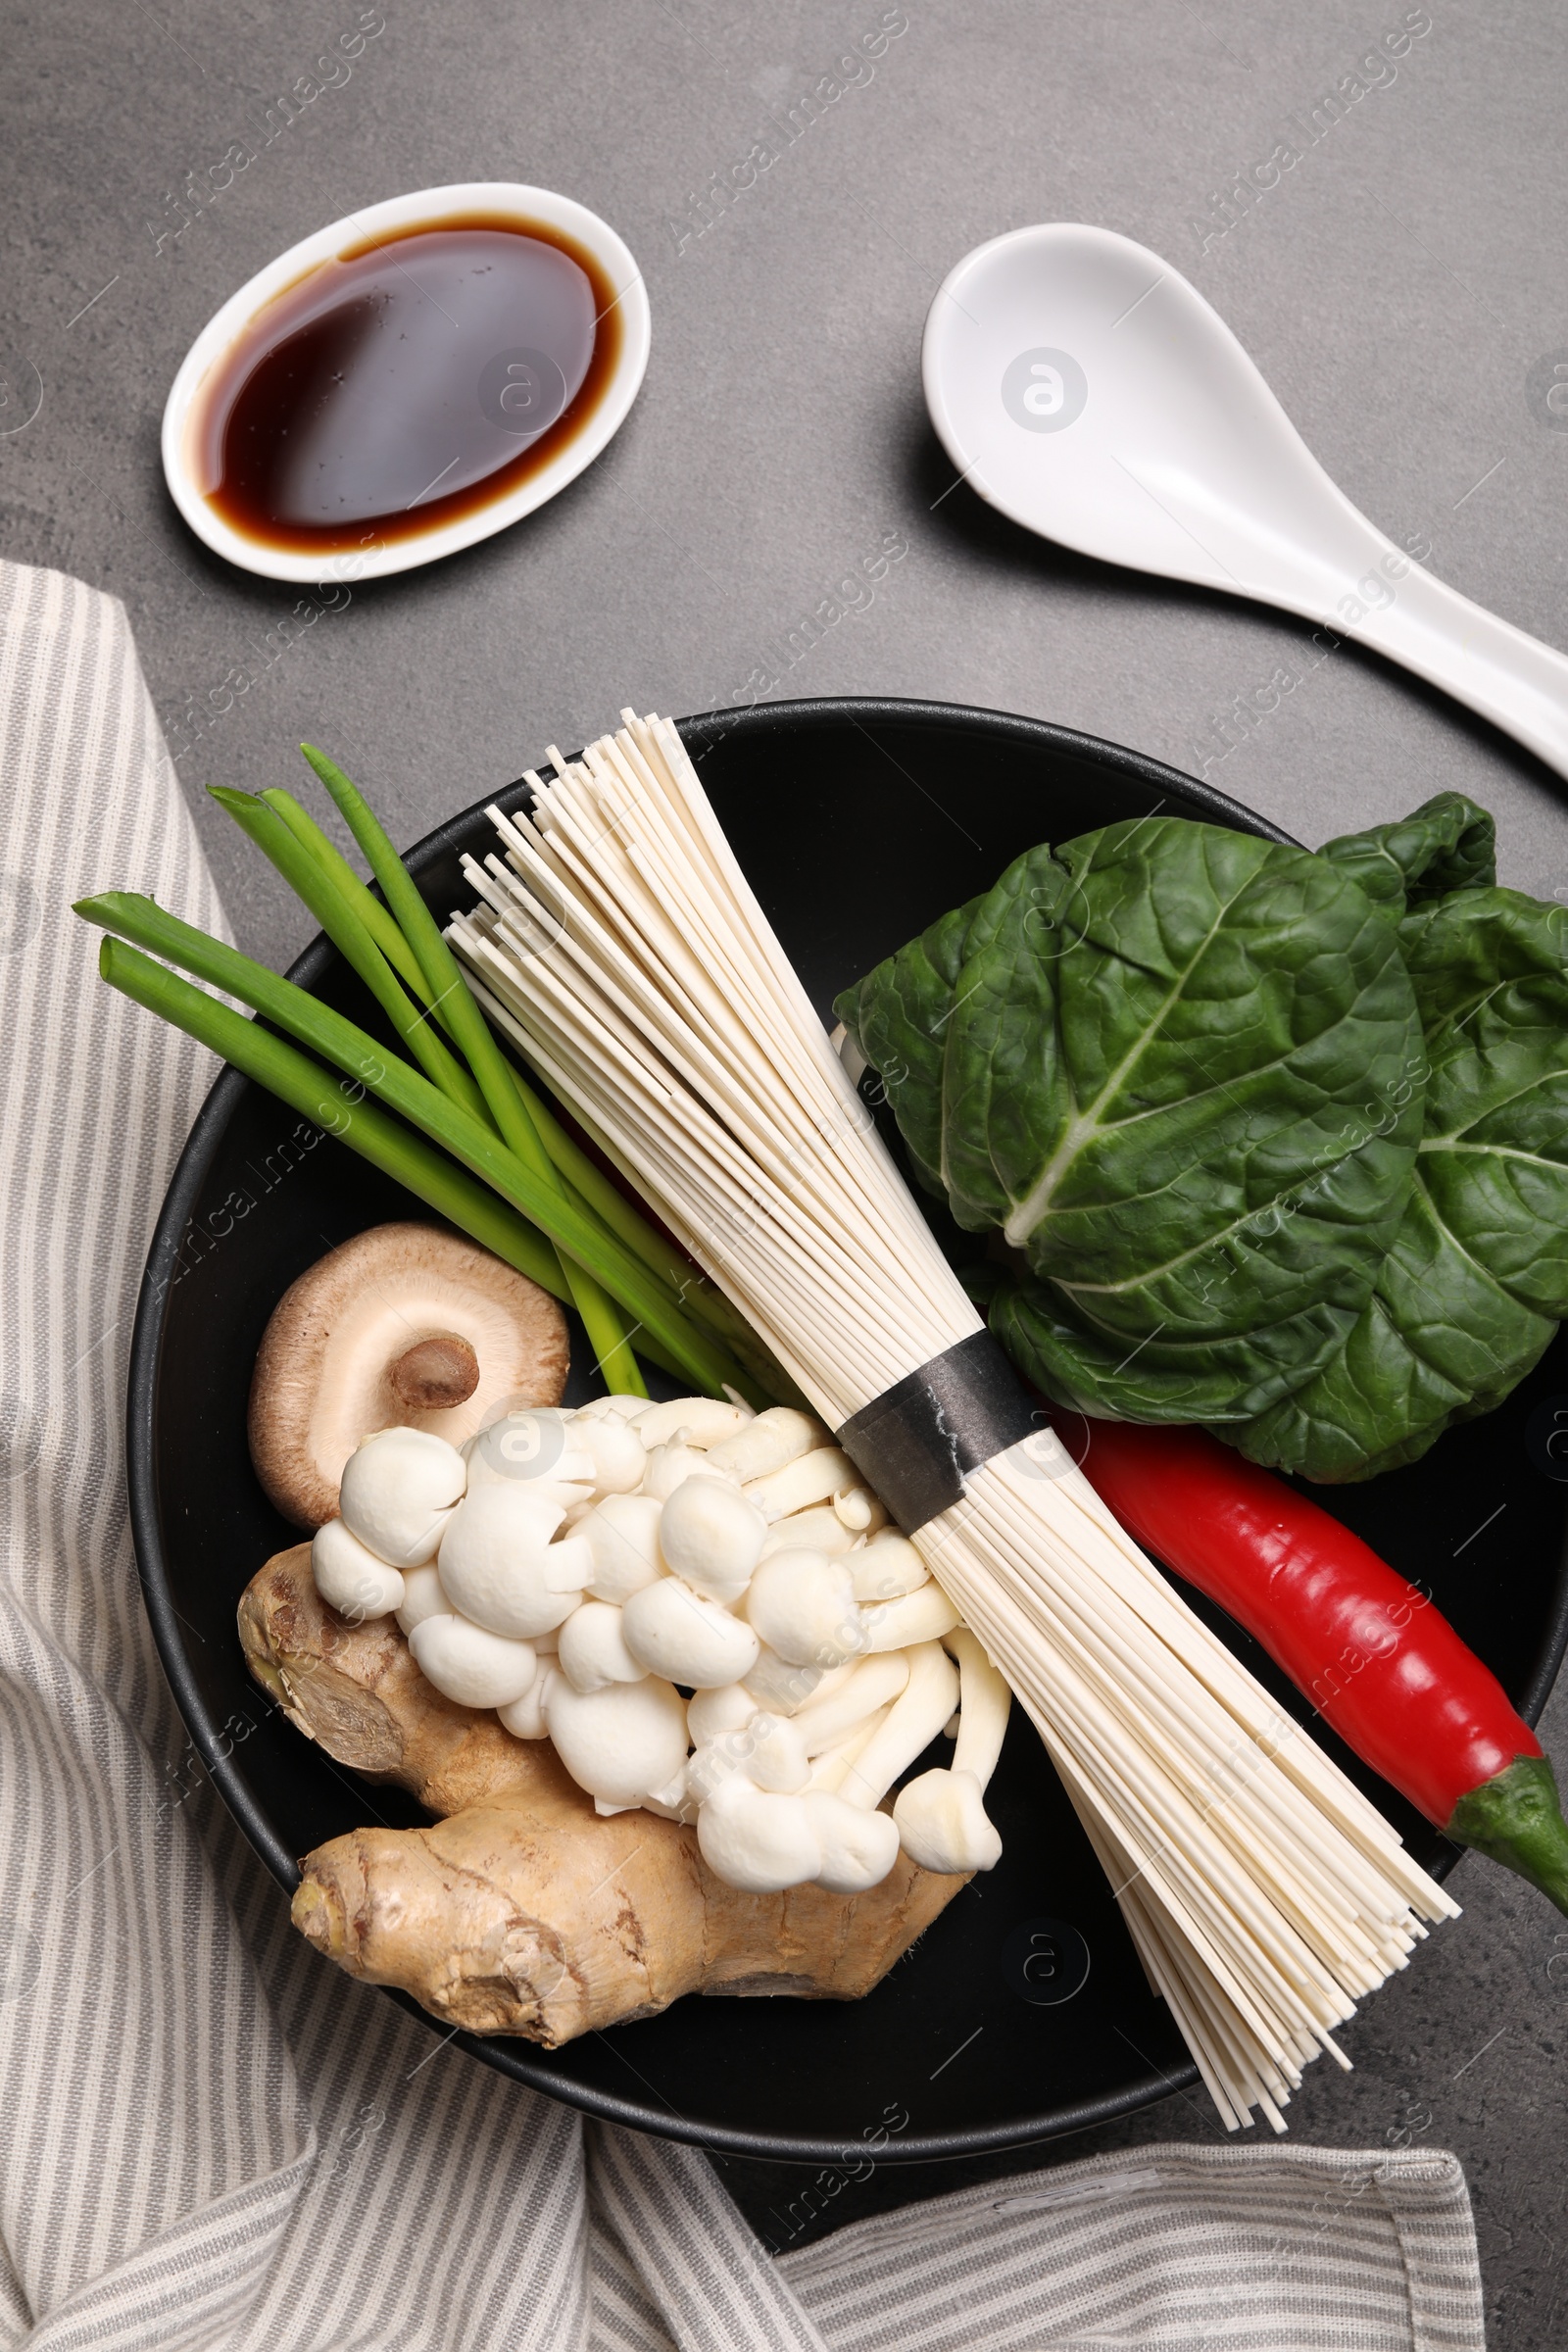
(1516, 1818)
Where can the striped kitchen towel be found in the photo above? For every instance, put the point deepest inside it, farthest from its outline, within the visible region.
(209, 2137)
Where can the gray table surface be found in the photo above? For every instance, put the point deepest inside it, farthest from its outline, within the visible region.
(1400, 287)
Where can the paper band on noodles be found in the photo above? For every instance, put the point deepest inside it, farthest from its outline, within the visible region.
(919, 1440)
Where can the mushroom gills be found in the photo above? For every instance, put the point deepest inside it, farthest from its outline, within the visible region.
(400, 1307)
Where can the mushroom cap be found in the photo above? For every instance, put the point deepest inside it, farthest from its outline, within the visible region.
(423, 1594)
(767, 1442)
(813, 1477)
(592, 1652)
(755, 1840)
(501, 1567)
(351, 1579)
(784, 1688)
(818, 1527)
(711, 1713)
(527, 1717)
(616, 1406)
(942, 1823)
(777, 1758)
(323, 1375)
(858, 1848)
(622, 1534)
(623, 1742)
(469, 1664)
(668, 1464)
(803, 1605)
(618, 1453)
(887, 1568)
(713, 1535)
(686, 1638)
(703, 1421)
(539, 1450)
(398, 1491)
(768, 1750)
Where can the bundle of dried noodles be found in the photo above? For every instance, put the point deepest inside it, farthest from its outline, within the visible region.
(617, 943)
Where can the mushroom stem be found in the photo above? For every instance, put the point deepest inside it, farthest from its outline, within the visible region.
(942, 1823)
(871, 1685)
(911, 1621)
(984, 1704)
(912, 1722)
(830, 1769)
(436, 1374)
(941, 1817)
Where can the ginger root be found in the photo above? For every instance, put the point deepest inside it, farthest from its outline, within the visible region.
(523, 1911)
(355, 1691)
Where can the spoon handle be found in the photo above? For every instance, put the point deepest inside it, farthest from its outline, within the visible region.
(1511, 678)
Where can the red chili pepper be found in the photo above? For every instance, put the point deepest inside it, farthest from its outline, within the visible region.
(1376, 1658)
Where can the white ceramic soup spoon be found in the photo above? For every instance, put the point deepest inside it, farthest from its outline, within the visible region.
(1081, 385)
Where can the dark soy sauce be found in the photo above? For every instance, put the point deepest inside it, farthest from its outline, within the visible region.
(409, 382)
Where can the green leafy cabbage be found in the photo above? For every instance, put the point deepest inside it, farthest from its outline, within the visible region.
(1159, 1060)
(1477, 1279)
(1276, 1142)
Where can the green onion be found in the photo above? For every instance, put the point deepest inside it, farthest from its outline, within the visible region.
(467, 1024)
(560, 1215)
(576, 1235)
(582, 1173)
(346, 929)
(696, 1292)
(448, 991)
(337, 1106)
(365, 903)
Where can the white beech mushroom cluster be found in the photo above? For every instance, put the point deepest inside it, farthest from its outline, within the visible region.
(582, 1572)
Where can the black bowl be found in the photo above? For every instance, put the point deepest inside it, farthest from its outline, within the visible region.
(858, 822)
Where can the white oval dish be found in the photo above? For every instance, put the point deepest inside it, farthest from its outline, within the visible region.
(425, 207)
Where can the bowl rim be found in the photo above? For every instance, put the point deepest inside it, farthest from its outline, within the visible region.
(418, 205)
(703, 732)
